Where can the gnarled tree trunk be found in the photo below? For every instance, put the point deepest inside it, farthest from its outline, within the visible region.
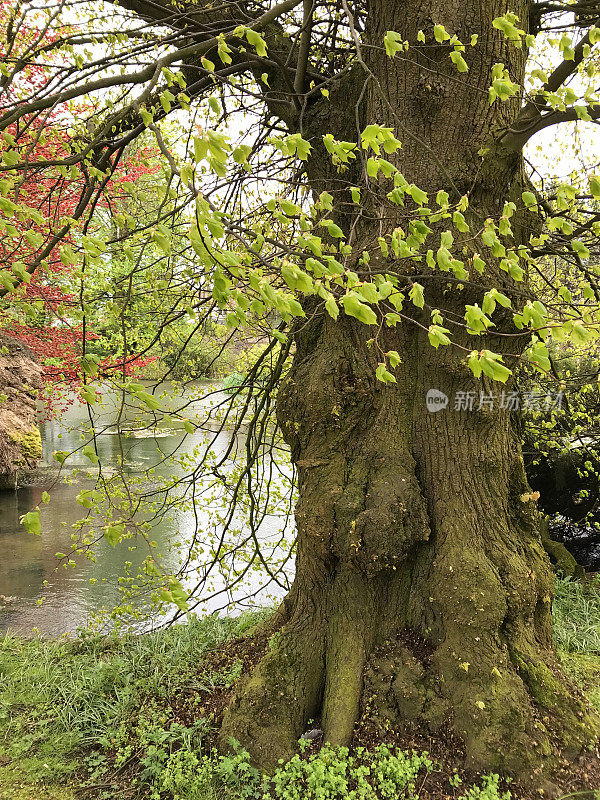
(412, 525)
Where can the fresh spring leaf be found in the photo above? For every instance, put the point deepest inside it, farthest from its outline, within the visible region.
(31, 522)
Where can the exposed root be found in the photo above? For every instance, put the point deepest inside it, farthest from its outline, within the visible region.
(351, 633)
(272, 705)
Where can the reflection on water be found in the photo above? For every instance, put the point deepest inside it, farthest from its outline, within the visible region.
(28, 569)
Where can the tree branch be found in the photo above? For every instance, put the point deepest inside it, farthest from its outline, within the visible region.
(151, 73)
(531, 118)
(304, 50)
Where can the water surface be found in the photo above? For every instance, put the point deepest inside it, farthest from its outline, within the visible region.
(38, 595)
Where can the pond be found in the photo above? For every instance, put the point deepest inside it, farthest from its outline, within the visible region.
(39, 595)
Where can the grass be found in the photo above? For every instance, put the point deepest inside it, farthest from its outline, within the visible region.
(122, 717)
(576, 615)
(63, 704)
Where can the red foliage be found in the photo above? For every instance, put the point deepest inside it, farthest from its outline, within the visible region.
(54, 191)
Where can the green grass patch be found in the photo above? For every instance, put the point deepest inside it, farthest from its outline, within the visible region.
(73, 711)
(576, 617)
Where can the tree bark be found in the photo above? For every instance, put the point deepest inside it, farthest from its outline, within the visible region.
(423, 592)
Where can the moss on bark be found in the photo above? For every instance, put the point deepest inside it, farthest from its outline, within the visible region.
(29, 442)
(562, 560)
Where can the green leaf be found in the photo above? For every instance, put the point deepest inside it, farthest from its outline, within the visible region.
(89, 364)
(7, 206)
(332, 307)
(67, 256)
(458, 60)
(241, 153)
(437, 335)
(416, 294)
(460, 222)
(149, 400)
(147, 117)
(89, 395)
(10, 158)
(539, 356)
(418, 195)
(489, 301)
(490, 364)
(579, 247)
(372, 167)
(392, 42)
(61, 456)
(334, 230)
(31, 522)
(90, 452)
(35, 239)
(300, 146)
(178, 594)
(440, 33)
(256, 40)
(353, 307)
(368, 292)
(224, 50)
(166, 98)
(477, 321)
(113, 533)
(290, 209)
(163, 241)
(297, 278)
(86, 498)
(20, 271)
(208, 65)
(394, 358)
(383, 375)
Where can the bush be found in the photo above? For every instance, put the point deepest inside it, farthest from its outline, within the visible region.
(233, 382)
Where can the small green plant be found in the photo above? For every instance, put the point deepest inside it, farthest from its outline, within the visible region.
(235, 774)
(489, 790)
(334, 774)
(185, 776)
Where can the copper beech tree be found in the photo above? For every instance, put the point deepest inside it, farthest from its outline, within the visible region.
(359, 181)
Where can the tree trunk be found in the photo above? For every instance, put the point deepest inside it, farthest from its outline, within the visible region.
(422, 587)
